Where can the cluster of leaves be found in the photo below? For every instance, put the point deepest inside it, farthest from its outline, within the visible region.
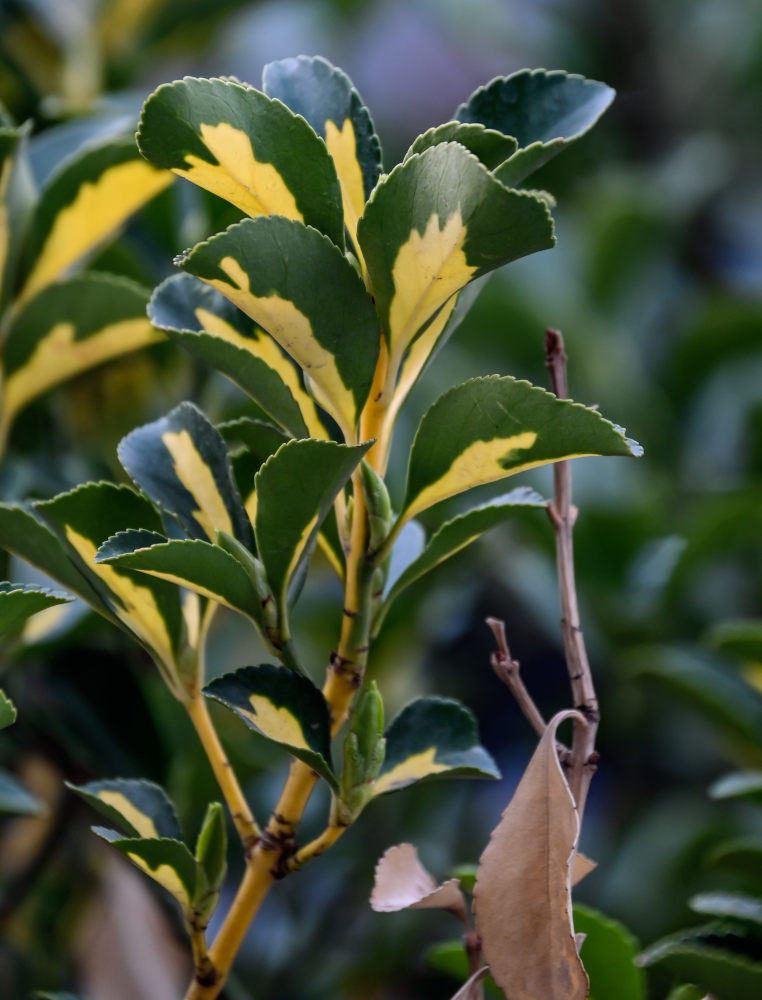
(354, 279)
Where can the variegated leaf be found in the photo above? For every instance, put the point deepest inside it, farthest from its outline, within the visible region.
(181, 462)
(68, 327)
(295, 490)
(439, 220)
(545, 111)
(16, 200)
(83, 204)
(488, 428)
(488, 145)
(83, 519)
(318, 311)
(138, 808)
(19, 601)
(204, 568)
(284, 707)
(325, 97)
(23, 533)
(455, 535)
(166, 861)
(245, 147)
(211, 328)
(432, 737)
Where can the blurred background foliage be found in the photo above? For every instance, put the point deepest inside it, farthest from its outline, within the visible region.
(656, 285)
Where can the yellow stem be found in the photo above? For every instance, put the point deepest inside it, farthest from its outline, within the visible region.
(244, 821)
(202, 964)
(316, 847)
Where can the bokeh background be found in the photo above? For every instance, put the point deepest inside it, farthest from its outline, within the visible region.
(656, 283)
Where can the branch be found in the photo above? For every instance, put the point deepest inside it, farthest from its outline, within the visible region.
(563, 514)
(507, 669)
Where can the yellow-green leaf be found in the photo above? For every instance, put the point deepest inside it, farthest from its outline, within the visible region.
(83, 204)
(68, 327)
(245, 147)
(254, 265)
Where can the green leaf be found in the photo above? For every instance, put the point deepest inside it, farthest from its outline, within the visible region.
(68, 327)
(241, 145)
(718, 694)
(739, 854)
(724, 974)
(545, 111)
(489, 146)
(325, 97)
(8, 712)
(168, 862)
(450, 958)
(85, 518)
(295, 490)
(728, 904)
(739, 784)
(432, 737)
(24, 534)
(282, 706)
(741, 639)
(489, 428)
(439, 220)
(253, 264)
(608, 954)
(198, 565)
(16, 799)
(180, 461)
(17, 197)
(83, 204)
(455, 535)
(137, 808)
(20, 601)
(687, 992)
(466, 875)
(211, 328)
(211, 846)
(260, 440)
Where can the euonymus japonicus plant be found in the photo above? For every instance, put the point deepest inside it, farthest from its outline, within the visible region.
(324, 305)
(58, 203)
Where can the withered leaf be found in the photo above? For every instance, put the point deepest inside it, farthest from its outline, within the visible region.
(402, 883)
(522, 897)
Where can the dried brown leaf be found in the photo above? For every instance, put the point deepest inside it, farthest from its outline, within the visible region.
(522, 897)
(402, 883)
(581, 866)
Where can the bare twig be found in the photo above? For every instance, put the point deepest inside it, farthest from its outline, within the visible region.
(507, 669)
(563, 514)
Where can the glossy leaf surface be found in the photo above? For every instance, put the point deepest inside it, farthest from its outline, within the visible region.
(436, 222)
(325, 97)
(137, 808)
(489, 146)
(432, 737)
(182, 463)
(489, 428)
(208, 326)
(168, 862)
(245, 147)
(295, 490)
(253, 263)
(456, 534)
(545, 111)
(84, 518)
(608, 954)
(20, 601)
(68, 327)
(282, 706)
(204, 568)
(83, 204)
